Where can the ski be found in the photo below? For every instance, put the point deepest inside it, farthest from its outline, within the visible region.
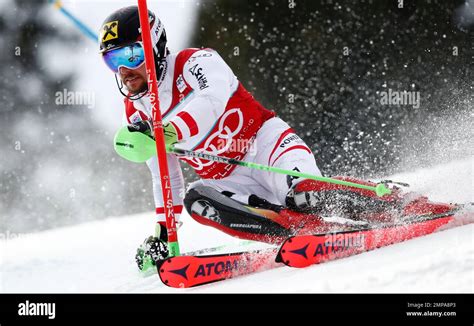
(190, 271)
(302, 250)
(210, 250)
(151, 269)
(305, 250)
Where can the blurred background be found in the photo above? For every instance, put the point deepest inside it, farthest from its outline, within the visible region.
(324, 66)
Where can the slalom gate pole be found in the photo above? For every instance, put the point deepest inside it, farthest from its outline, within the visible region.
(380, 189)
(173, 244)
(79, 24)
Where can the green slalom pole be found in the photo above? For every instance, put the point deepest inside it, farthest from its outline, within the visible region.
(380, 189)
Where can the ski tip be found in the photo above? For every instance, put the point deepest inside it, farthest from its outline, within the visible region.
(293, 251)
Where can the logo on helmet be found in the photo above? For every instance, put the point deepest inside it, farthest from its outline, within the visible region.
(109, 31)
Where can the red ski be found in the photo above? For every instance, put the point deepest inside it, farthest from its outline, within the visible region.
(305, 250)
(189, 271)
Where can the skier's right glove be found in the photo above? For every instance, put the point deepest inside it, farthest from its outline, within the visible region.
(150, 252)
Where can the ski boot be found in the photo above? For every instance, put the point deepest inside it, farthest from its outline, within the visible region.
(152, 250)
(333, 201)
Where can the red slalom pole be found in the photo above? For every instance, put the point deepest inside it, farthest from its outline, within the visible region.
(158, 129)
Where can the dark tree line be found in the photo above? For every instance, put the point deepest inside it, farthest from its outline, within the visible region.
(323, 65)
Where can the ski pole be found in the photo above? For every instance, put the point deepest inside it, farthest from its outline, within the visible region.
(173, 244)
(82, 27)
(380, 189)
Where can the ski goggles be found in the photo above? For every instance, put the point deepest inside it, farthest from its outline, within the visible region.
(130, 56)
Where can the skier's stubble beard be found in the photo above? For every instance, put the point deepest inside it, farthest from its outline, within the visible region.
(134, 79)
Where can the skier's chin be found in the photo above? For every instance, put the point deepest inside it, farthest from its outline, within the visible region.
(135, 87)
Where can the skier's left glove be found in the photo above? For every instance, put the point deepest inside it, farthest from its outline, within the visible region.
(171, 134)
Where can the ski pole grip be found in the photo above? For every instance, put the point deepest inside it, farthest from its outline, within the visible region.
(381, 190)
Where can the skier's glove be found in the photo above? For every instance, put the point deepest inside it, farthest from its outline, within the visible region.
(171, 134)
(151, 251)
(144, 126)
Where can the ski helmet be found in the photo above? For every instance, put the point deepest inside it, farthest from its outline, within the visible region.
(122, 28)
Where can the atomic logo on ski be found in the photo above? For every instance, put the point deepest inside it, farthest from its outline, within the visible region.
(181, 271)
(217, 268)
(189, 271)
(301, 251)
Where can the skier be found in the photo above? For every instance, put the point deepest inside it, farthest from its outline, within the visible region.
(205, 108)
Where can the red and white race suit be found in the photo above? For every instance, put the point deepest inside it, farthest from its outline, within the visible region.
(213, 113)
